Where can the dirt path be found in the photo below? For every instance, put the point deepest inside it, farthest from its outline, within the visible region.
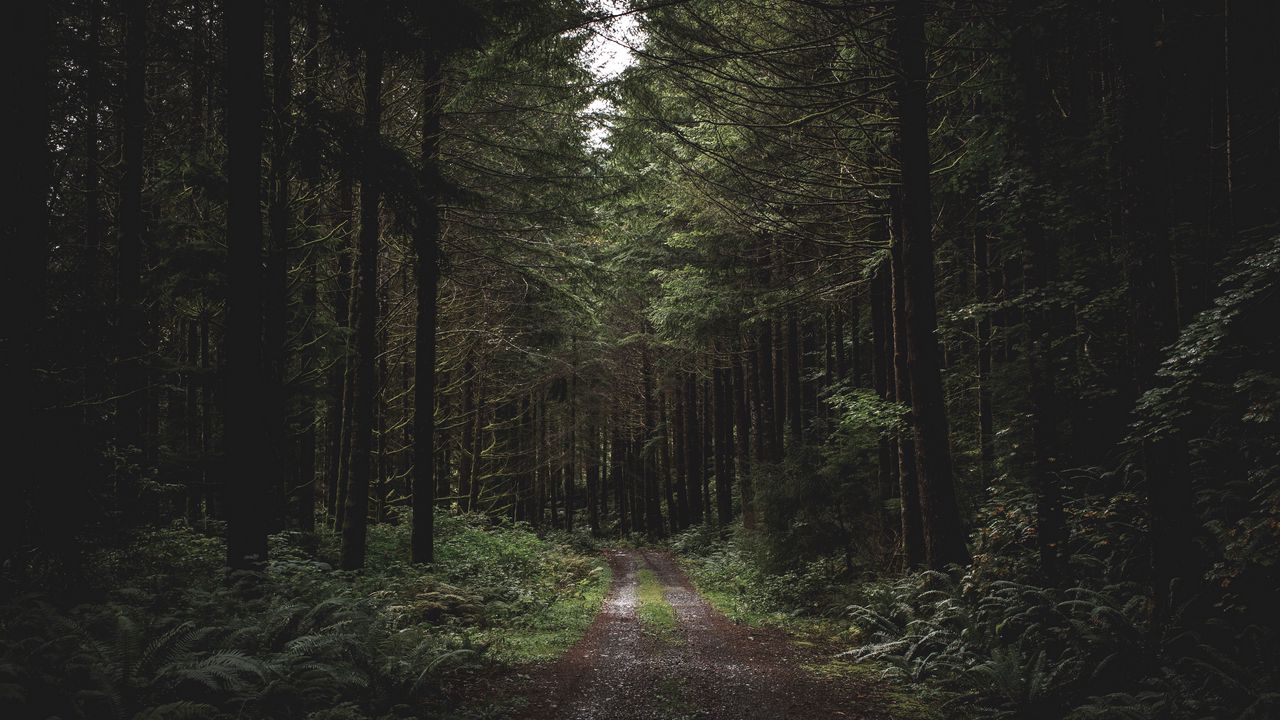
(710, 669)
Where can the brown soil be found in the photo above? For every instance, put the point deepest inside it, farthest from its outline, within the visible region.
(713, 670)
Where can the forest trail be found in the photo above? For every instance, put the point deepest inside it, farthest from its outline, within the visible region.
(704, 667)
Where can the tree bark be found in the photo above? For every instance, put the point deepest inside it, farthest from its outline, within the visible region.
(245, 489)
(693, 448)
(94, 316)
(467, 460)
(723, 420)
(742, 418)
(882, 379)
(276, 303)
(357, 507)
(27, 175)
(652, 504)
(1051, 528)
(306, 493)
(593, 479)
(766, 415)
(131, 407)
(680, 516)
(340, 384)
(427, 276)
(795, 369)
(944, 537)
(780, 399)
(911, 520)
(982, 329)
(1144, 189)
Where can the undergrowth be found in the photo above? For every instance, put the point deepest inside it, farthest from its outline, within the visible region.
(162, 632)
(989, 642)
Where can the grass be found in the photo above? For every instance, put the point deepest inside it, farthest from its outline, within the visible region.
(655, 613)
(731, 584)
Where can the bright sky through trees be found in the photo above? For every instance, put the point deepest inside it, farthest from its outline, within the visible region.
(607, 54)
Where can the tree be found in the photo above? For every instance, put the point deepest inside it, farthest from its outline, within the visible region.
(245, 487)
(426, 275)
(356, 511)
(944, 538)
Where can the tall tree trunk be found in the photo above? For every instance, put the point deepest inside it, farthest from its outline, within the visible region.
(603, 458)
(94, 317)
(795, 369)
(528, 461)
(467, 460)
(593, 478)
(742, 418)
(680, 516)
(855, 368)
(837, 327)
(652, 505)
(723, 421)
(617, 470)
(245, 484)
(131, 408)
(982, 295)
(570, 467)
(1051, 528)
(443, 443)
(347, 432)
(306, 500)
(27, 175)
(357, 508)
(340, 374)
(191, 421)
(693, 448)
(708, 449)
(882, 379)
(427, 276)
(1144, 190)
(912, 529)
(810, 344)
(780, 399)
(276, 302)
(540, 465)
(944, 535)
(766, 413)
(206, 411)
(668, 485)
(1252, 117)
(477, 457)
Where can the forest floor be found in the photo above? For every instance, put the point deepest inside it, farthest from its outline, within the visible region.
(659, 650)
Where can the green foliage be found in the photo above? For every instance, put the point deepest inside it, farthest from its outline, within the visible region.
(174, 638)
(822, 499)
(737, 575)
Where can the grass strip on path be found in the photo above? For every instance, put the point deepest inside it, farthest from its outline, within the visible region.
(655, 613)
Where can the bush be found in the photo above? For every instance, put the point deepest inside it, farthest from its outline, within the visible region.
(170, 635)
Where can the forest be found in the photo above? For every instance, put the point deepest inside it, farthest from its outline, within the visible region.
(903, 359)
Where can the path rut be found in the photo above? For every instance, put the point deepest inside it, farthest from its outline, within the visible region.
(712, 669)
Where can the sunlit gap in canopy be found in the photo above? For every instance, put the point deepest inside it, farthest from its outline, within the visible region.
(607, 54)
